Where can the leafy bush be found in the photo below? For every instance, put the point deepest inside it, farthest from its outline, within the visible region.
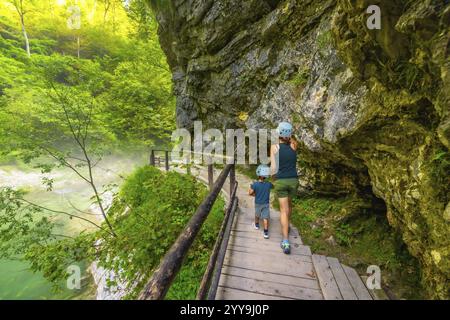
(161, 204)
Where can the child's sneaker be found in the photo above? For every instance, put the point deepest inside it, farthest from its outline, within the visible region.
(286, 246)
(266, 234)
(256, 226)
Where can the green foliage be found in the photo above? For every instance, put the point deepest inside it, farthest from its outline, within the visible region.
(108, 62)
(407, 75)
(161, 205)
(139, 105)
(143, 18)
(344, 234)
(324, 39)
(362, 238)
(21, 226)
(300, 78)
(53, 259)
(187, 282)
(441, 166)
(99, 89)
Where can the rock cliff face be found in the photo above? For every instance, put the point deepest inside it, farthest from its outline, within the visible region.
(371, 107)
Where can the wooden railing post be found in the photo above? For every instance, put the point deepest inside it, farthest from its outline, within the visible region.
(210, 176)
(232, 178)
(167, 160)
(152, 157)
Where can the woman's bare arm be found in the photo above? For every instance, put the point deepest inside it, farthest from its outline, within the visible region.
(294, 143)
(273, 162)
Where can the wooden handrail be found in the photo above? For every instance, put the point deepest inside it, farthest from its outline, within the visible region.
(221, 256)
(153, 158)
(170, 265)
(208, 288)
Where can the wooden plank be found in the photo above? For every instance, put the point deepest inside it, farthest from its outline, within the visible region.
(270, 288)
(274, 230)
(258, 235)
(270, 247)
(376, 294)
(327, 282)
(271, 277)
(341, 279)
(276, 255)
(242, 238)
(247, 219)
(292, 267)
(274, 226)
(224, 293)
(259, 245)
(360, 289)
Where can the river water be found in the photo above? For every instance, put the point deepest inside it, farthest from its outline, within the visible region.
(16, 280)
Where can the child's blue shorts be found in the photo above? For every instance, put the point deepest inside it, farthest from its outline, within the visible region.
(262, 210)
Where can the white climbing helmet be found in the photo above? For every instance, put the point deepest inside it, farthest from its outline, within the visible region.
(285, 130)
(263, 171)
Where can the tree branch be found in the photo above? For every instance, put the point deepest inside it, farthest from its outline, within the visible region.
(60, 212)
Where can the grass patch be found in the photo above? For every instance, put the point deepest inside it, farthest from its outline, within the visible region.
(347, 229)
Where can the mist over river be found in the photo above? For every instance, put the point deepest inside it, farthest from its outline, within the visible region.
(16, 280)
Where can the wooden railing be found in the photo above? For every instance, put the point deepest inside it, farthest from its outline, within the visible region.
(170, 265)
(157, 160)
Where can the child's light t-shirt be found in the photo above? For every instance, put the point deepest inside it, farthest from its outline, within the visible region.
(262, 191)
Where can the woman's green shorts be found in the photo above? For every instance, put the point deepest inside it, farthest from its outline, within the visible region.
(286, 187)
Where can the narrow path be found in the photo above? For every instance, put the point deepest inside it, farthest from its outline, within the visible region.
(256, 268)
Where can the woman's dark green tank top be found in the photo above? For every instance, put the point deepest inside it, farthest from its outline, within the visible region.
(287, 162)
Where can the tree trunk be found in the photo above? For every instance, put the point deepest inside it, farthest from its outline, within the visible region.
(78, 47)
(25, 35)
(107, 6)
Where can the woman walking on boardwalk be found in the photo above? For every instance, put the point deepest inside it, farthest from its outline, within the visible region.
(284, 169)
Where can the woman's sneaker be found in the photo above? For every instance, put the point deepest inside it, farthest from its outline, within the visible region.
(266, 234)
(256, 226)
(286, 246)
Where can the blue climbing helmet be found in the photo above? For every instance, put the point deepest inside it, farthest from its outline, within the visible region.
(263, 171)
(285, 129)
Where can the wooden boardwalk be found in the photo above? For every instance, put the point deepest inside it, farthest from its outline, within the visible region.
(256, 269)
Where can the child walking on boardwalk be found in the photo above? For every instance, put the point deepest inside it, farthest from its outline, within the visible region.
(260, 189)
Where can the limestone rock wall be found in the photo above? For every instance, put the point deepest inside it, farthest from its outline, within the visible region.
(371, 107)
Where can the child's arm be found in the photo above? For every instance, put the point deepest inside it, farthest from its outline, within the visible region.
(251, 192)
